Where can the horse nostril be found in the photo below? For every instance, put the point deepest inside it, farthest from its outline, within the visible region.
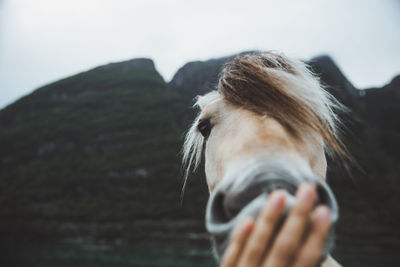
(235, 201)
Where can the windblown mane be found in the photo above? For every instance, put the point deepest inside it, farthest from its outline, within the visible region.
(271, 84)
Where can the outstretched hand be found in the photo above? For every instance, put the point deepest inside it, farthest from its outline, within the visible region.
(299, 242)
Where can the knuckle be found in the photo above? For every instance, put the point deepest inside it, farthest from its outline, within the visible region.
(284, 248)
(268, 216)
(253, 254)
(301, 210)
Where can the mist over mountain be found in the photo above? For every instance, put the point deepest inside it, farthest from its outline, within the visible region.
(90, 165)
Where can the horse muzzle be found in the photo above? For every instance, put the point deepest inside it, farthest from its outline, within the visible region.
(244, 190)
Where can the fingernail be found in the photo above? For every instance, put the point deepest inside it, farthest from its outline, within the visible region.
(247, 225)
(277, 200)
(306, 193)
(322, 214)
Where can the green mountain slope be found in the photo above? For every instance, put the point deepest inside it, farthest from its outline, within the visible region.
(95, 157)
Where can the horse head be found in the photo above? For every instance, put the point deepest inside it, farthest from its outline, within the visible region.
(268, 126)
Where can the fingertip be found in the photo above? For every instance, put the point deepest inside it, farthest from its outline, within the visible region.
(306, 193)
(247, 225)
(322, 214)
(321, 219)
(277, 199)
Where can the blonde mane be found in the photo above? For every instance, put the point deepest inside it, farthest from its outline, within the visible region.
(271, 84)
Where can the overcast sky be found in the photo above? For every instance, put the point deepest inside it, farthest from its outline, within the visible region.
(42, 41)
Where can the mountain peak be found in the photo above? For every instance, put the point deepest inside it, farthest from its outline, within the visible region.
(325, 59)
(199, 77)
(396, 81)
(135, 63)
(326, 66)
(332, 76)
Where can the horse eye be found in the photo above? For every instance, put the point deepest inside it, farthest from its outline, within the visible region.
(204, 127)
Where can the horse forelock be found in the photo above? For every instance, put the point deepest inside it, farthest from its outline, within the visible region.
(271, 84)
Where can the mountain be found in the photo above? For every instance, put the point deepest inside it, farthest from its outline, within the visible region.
(90, 170)
(199, 77)
(93, 158)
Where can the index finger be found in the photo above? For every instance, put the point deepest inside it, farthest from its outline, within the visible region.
(236, 243)
(289, 238)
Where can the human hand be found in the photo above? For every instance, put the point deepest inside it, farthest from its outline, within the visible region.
(299, 242)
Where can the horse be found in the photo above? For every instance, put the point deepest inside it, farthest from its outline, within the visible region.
(267, 110)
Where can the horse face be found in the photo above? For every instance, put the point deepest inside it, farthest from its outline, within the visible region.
(233, 135)
(247, 156)
(266, 128)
